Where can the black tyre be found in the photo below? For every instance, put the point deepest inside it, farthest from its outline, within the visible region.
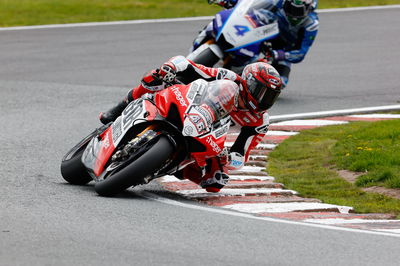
(135, 172)
(73, 170)
(207, 58)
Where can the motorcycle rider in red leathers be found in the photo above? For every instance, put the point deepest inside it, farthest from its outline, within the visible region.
(260, 85)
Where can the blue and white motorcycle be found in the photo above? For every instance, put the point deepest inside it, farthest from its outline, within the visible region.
(235, 37)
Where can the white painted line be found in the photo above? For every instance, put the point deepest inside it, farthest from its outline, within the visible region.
(185, 19)
(170, 178)
(233, 192)
(394, 231)
(258, 157)
(274, 133)
(155, 197)
(284, 207)
(350, 9)
(310, 123)
(265, 146)
(281, 133)
(109, 23)
(348, 221)
(251, 177)
(251, 169)
(393, 116)
(353, 111)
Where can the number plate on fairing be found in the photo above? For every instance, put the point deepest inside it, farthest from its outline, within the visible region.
(134, 113)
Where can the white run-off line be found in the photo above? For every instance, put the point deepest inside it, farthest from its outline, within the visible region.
(273, 133)
(284, 207)
(314, 122)
(234, 192)
(349, 221)
(170, 178)
(390, 116)
(258, 157)
(251, 177)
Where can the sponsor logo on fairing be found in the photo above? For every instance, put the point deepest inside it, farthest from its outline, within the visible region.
(179, 97)
(214, 145)
(116, 130)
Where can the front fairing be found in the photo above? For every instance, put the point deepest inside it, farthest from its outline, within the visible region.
(244, 28)
(102, 146)
(207, 118)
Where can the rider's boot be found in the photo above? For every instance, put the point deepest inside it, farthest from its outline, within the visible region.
(114, 112)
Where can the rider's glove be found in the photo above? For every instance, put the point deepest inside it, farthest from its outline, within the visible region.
(223, 3)
(215, 183)
(167, 72)
(271, 56)
(151, 81)
(278, 55)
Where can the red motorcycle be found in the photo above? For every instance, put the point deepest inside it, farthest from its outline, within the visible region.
(156, 135)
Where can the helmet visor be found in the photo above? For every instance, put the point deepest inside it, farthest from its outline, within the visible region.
(264, 96)
(296, 10)
(269, 99)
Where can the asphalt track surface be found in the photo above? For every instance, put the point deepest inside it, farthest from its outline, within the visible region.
(53, 83)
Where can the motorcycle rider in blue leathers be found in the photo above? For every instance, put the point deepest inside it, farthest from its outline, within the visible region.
(298, 26)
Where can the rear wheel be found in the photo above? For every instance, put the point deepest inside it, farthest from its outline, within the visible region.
(134, 173)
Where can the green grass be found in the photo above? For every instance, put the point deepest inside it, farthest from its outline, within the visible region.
(39, 12)
(307, 163)
(374, 149)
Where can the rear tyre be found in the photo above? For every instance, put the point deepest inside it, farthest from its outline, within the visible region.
(206, 58)
(135, 172)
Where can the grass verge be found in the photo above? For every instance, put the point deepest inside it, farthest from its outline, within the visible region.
(39, 12)
(307, 163)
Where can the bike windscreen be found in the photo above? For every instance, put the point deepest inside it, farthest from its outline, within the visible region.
(221, 97)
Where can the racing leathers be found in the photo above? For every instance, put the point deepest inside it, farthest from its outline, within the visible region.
(293, 41)
(252, 126)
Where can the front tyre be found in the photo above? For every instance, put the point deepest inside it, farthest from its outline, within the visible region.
(206, 55)
(135, 172)
(72, 168)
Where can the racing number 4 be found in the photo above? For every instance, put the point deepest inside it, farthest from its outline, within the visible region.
(241, 30)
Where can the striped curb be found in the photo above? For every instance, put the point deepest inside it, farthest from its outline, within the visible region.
(251, 190)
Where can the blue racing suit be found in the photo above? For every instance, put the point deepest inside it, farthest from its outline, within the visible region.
(293, 41)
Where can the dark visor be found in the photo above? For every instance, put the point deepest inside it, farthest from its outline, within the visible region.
(265, 97)
(295, 11)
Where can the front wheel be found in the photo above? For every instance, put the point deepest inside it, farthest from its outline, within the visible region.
(72, 168)
(134, 173)
(206, 55)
